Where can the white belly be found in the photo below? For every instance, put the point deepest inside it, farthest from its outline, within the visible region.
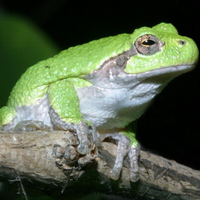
(115, 108)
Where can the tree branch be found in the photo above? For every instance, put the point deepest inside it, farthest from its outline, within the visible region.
(30, 156)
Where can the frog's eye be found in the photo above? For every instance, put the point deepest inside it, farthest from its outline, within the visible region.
(148, 44)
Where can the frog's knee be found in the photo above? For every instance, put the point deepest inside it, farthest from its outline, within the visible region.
(7, 115)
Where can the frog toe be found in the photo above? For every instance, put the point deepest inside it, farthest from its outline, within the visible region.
(133, 155)
(83, 149)
(115, 173)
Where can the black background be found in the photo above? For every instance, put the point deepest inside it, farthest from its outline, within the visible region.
(170, 127)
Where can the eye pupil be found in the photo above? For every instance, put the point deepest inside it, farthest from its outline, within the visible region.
(148, 42)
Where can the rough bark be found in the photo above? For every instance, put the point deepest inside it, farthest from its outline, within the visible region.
(29, 158)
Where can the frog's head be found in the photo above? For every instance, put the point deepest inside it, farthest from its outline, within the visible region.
(156, 54)
(161, 47)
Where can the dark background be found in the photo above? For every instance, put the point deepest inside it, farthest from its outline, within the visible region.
(170, 127)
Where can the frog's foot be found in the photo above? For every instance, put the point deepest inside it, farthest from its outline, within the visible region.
(31, 125)
(123, 150)
(88, 138)
(88, 158)
(88, 143)
(69, 160)
(66, 156)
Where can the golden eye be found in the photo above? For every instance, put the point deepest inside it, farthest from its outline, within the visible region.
(148, 44)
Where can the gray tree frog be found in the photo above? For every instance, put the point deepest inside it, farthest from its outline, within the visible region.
(99, 88)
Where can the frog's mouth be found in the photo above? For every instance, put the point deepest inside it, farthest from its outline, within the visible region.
(119, 80)
(168, 72)
(161, 76)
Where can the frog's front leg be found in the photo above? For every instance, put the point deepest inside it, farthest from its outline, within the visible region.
(65, 113)
(122, 150)
(127, 146)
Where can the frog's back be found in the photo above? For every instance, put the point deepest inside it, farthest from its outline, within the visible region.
(74, 62)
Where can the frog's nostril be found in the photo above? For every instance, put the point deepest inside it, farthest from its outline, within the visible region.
(182, 42)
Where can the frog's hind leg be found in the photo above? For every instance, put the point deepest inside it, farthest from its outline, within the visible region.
(32, 117)
(25, 118)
